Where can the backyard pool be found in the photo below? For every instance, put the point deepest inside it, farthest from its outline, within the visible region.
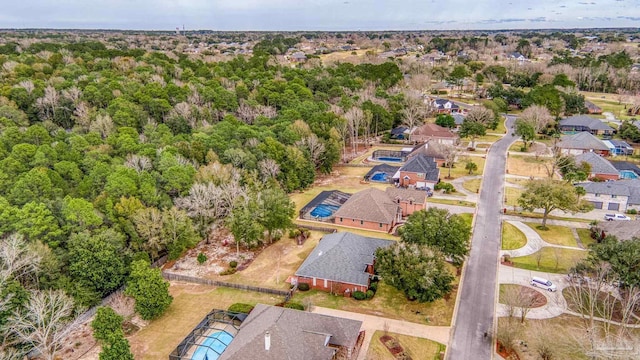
(324, 210)
(380, 177)
(212, 346)
(389, 159)
(627, 174)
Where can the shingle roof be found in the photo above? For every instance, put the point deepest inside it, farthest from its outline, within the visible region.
(342, 257)
(434, 131)
(431, 149)
(417, 196)
(582, 140)
(293, 334)
(625, 165)
(584, 120)
(459, 118)
(369, 205)
(599, 165)
(608, 188)
(422, 164)
(399, 130)
(622, 230)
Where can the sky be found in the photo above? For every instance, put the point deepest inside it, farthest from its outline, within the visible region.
(291, 15)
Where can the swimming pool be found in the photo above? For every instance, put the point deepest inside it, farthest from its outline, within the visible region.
(389, 159)
(380, 177)
(627, 174)
(324, 210)
(212, 346)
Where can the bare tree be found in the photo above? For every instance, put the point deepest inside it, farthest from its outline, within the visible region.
(48, 103)
(139, 163)
(538, 116)
(17, 260)
(103, 125)
(413, 112)
(450, 152)
(268, 168)
(508, 332)
(315, 147)
(355, 117)
(44, 321)
(542, 341)
(518, 301)
(480, 114)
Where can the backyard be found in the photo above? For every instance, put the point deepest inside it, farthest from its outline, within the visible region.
(415, 347)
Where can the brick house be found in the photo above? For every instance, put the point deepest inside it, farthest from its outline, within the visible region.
(378, 210)
(277, 333)
(581, 143)
(619, 196)
(601, 168)
(341, 263)
(445, 106)
(420, 171)
(578, 123)
(430, 149)
(437, 133)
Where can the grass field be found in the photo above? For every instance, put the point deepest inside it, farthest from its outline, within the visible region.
(472, 185)
(512, 238)
(190, 304)
(526, 166)
(553, 260)
(512, 195)
(534, 215)
(415, 347)
(388, 302)
(557, 235)
(585, 237)
(451, 202)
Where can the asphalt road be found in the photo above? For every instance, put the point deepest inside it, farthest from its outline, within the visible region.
(477, 296)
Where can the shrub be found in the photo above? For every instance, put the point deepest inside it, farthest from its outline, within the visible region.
(303, 287)
(293, 233)
(359, 295)
(233, 264)
(241, 308)
(632, 211)
(446, 187)
(369, 294)
(202, 258)
(373, 287)
(229, 271)
(294, 305)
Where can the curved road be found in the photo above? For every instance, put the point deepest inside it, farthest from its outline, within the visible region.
(477, 296)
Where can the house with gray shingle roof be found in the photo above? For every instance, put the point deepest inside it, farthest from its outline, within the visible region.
(620, 195)
(277, 333)
(622, 230)
(601, 168)
(627, 170)
(580, 143)
(341, 263)
(579, 123)
(419, 171)
(592, 108)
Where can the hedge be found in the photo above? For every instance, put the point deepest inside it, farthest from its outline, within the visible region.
(241, 308)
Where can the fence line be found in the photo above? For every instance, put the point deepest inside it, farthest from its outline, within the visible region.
(317, 228)
(192, 279)
(353, 165)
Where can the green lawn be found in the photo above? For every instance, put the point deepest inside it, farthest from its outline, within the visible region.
(472, 185)
(535, 215)
(585, 237)
(556, 235)
(512, 238)
(511, 195)
(388, 302)
(451, 202)
(415, 347)
(553, 260)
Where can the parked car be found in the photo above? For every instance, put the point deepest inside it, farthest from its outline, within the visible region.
(616, 217)
(543, 283)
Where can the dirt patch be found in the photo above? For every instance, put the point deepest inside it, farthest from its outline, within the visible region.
(80, 344)
(509, 355)
(394, 347)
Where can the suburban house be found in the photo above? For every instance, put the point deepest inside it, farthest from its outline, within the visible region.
(433, 132)
(278, 333)
(341, 263)
(430, 149)
(443, 106)
(517, 56)
(580, 143)
(459, 119)
(621, 195)
(592, 108)
(627, 170)
(618, 147)
(420, 171)
(579, 123)
(622, 230)
(378, 210)
(298, 56)
(601, 168)
(400, 133)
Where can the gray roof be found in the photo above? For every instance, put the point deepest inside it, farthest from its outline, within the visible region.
(369, 205)
(342, 257)
(422, 164)
(587, 121)
(599, 165)
(293, 334)
(417, 196)
(625, 165)
(630, 188)
(382, 168)
(582, 140)
(458, 118)
(622, 230)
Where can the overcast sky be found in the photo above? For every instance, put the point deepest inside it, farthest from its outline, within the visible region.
(318, 14)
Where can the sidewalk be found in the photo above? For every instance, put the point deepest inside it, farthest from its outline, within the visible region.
(372, 323)
(534, 242)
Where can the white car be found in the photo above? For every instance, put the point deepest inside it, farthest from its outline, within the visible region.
(616, 217)
(543, 283)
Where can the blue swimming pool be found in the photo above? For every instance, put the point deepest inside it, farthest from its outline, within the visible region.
(213, 346)
(627, 174)
(380, 177)
(324, 210)
(389, 159)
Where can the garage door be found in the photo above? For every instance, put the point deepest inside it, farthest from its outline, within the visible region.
(597, 204)
(421, 185)
(614, 206)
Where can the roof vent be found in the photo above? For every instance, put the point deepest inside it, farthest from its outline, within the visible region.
(267, 341)
(320, 253)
